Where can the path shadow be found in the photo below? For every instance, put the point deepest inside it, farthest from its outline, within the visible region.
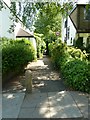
(49, 85)
(44, 76)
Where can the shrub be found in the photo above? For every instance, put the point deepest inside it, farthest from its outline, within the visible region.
(77, 75)
(77, 53)
(59, 53)
(40, 45)
(15, 55)
(73, 64)
(79, 43)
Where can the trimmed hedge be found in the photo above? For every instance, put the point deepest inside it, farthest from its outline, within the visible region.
(15, 55)
(77, 75)
(73, 64)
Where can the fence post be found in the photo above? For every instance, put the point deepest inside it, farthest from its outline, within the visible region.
(28, 78)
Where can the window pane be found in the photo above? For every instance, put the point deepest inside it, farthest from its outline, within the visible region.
(87, 13)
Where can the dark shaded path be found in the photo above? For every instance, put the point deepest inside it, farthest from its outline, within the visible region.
(45, 77)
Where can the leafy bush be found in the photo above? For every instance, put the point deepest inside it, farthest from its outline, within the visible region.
(15, 55)
(40, 45)
(77, 75)
(77, 53)
(58, 52)
(73, 64)
(79, 43)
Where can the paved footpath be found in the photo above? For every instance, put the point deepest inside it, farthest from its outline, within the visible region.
(49, 98)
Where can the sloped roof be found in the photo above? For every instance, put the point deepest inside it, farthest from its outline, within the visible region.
(23, 33)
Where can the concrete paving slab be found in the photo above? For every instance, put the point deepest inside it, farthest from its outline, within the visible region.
(35, 103)
(35, 100)
(11, 103)
(52, 95)
(53, 103)
(79, 118)
(43, 104)
(62, 105)
(26, 113)
(0, 106)
(67, 101)
(33, 96)
(29, 104)
(63, 93)
(84, 111)
(79, 97)
(35, 90)
(63, 99)
(69, 112)
(89, 107)
(51, 85)
(81, 100)
(41, 113)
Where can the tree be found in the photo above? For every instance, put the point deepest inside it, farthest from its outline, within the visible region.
(28, 10)
(48, 20)
(1, 5)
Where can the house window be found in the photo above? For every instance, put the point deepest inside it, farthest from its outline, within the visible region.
(65, 24)
(79, 42)
(88, 42)
(68, 32)
(87, 13)
(71, 40)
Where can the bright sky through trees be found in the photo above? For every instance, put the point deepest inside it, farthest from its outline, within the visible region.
(7, 2)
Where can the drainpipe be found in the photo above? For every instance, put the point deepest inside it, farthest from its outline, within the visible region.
(66, 25)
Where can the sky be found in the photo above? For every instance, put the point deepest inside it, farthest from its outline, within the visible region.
(8, 2)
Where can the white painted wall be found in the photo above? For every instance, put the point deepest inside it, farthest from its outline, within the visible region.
(5, 23)
(8, 2)
(63, 30)
(33, 40)
(72, 32)
(0, 24)
(18, 25)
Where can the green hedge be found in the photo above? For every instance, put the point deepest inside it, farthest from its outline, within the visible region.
(41, 45)
(77, 75)
(15, 55)
(73, 64)
(58, 52)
